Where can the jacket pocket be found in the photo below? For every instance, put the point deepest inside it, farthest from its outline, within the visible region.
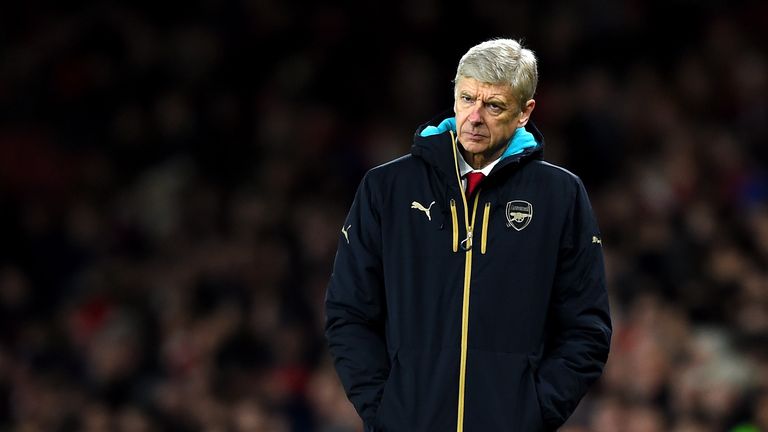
(531, 373)
(393, 371)
(501, 393)
(420, 392)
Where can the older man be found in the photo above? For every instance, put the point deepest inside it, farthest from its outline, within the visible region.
(468, 291)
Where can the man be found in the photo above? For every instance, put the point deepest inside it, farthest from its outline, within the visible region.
(468, 291)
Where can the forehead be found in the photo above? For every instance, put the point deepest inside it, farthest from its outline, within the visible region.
(483, 89)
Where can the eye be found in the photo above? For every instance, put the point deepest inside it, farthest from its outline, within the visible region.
(494, 108)
(466, 98)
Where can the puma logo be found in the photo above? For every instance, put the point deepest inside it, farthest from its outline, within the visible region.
(597, 240)
(416, 205)
(345, 231)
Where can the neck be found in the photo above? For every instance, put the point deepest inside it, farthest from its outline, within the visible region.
(479, 161)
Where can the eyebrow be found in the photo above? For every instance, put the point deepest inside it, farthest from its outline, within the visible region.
(493, 99)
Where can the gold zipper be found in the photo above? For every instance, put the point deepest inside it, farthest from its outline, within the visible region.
(466, 245)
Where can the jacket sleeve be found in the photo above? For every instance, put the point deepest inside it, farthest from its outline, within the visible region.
(579, 325)
(355, 310)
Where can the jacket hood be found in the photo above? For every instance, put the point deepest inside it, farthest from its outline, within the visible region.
(432, 142)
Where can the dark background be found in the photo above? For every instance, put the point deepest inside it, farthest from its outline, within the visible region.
(173, 178)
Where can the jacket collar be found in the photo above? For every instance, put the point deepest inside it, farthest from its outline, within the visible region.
(435, 149)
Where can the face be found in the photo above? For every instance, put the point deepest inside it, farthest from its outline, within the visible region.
(487, 116)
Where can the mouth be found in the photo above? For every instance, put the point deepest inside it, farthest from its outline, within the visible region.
(474, 136)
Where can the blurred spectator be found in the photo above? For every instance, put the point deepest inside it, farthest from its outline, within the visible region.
(173, 181)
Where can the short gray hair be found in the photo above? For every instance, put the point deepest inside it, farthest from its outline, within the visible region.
(501, 61)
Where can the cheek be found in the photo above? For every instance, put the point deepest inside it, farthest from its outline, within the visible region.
(459, 120)
(505, 127)
(463, 113)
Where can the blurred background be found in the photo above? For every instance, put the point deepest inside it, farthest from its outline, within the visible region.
(173, 178)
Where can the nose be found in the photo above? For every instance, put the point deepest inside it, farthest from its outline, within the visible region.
(475, 116)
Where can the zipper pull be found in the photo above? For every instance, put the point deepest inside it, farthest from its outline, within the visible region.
(466, 244)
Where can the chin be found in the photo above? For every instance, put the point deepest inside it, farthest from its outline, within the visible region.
(474, 147)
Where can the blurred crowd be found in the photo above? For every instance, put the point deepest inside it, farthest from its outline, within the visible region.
(173, 178)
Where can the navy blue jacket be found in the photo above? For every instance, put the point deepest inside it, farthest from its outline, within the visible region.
(481, 315)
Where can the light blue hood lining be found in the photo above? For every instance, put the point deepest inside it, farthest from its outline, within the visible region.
(521, 140)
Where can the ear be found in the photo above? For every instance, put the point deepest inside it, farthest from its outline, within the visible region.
(525, 114)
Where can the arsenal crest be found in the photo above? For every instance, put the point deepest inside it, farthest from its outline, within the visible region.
(519, 214)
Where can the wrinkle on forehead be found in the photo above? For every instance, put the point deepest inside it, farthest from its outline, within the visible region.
(484, 90)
